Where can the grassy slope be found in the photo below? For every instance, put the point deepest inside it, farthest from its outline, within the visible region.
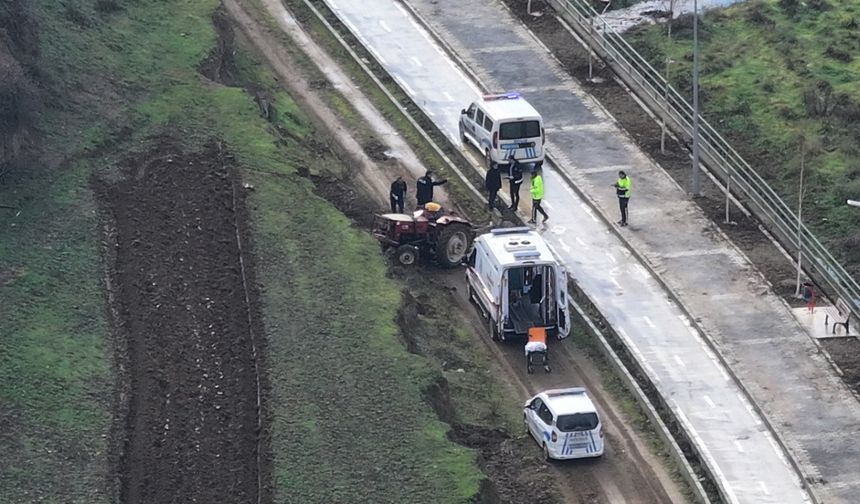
(765, 67)
(139, 66)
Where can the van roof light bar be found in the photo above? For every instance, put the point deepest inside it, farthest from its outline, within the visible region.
(510, 95)
(526, 254)
(510, 230)
(564, 392)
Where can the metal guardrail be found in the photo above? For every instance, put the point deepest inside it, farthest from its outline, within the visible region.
(664, 101)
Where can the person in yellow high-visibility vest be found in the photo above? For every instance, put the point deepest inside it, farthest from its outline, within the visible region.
(622, 190)
(537, 195)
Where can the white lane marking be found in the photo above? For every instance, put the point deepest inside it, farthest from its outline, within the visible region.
(384, 26)
(679, 361)
(733, 499)
(579, 241)
(564, 245)
(752, 413)
(611, 257)
(641, 269)
(739, 446)
(763, 488)
(376, 54)
(416, 61)
(615, 281)
(401, 8)
(709, 401)
(546, 204)
(776, 447)
(405, 86)
(648, 321)
(446, 95)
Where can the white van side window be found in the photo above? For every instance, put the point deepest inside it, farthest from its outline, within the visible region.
(471, 111)
(488, 123)
(479, 118)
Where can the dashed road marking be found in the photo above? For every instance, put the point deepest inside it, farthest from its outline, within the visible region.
(384, 26)
(648, 321)
(446, 95)
(709, 401)
(679, 361)
(739, 446)
(416, 61)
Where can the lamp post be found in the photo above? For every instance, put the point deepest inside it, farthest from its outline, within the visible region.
(800, 216)
(591, 36)
(666, 87)
(695, 188)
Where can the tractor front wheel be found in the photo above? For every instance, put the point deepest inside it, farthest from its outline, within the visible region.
(407, 255)
(453, 244)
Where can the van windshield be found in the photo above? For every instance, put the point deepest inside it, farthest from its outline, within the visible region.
(521, 129)
(577, 422)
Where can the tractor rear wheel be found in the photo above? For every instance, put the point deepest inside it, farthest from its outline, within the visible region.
(453, 244)
(406, 255)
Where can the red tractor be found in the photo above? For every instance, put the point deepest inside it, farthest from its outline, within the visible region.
(428, 232)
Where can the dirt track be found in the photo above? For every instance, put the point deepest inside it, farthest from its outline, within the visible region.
(192, 425)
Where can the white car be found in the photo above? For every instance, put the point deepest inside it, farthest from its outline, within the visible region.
(565, 423)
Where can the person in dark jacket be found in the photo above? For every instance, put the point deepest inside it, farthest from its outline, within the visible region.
(515, 173)
(424, 188)
(493, 183)
(397, 195)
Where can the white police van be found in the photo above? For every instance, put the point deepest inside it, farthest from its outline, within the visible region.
(565, 423)
(504, 126)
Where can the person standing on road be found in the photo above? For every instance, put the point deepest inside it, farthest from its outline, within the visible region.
(515, 172)
(537, 195)
(398, 194)
(424, 188)
(493, 182)
(622, 190)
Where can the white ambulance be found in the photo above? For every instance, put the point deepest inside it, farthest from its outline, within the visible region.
(517, 283)
(504, 126)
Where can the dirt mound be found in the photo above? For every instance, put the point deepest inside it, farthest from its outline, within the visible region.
(192, 427)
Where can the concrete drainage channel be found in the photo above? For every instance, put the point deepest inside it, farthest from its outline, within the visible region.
(670, 429)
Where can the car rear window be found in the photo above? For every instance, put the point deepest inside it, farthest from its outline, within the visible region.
(577, 422)
(521, 129)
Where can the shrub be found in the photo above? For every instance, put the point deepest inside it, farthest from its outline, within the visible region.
(838, 53)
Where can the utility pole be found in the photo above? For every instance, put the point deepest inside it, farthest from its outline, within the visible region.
(696, 188)
(666, 87)
(799, 217)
